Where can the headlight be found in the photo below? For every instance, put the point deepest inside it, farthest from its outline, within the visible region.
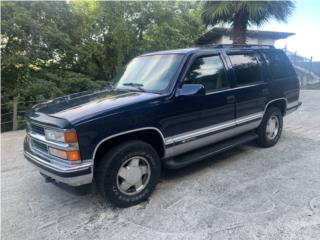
(61, 136)
(54, 135)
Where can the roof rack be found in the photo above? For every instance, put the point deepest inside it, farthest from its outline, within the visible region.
(237, 46)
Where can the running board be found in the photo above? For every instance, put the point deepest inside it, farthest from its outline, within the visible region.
(203, 153)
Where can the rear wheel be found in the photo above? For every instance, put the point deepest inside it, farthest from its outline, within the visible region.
(270, 128)
(128, 174)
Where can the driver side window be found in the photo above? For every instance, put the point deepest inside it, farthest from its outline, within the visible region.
(208, 71)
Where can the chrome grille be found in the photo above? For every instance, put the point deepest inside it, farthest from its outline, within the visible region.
(37, 129)
(39, 146)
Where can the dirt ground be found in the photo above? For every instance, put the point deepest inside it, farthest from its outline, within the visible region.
(246, 193)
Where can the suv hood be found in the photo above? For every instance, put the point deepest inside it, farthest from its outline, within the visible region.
(80, 106)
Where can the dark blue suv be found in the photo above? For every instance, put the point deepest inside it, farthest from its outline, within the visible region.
(169, 108)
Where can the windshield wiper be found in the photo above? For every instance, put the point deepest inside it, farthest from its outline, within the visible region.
(135, 85)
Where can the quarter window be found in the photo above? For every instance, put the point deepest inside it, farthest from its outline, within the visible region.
(246, 68)
(208, 71)
(278, 64)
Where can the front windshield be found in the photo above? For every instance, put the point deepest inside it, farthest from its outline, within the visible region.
(150, 73)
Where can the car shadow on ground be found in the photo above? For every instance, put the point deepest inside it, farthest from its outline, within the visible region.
(77, 191)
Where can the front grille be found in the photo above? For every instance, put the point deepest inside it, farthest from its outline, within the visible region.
(37, 129)
(39, 146)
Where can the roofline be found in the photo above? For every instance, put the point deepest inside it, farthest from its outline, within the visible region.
(237, 46)
(217, 32)
(185, 51)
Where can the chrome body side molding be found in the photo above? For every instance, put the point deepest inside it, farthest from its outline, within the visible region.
(211, 139)
(184, 137)
(182, 143)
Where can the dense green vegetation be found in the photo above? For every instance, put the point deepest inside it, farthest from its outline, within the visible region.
(54, 48)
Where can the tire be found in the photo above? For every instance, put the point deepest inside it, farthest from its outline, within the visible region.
(123, 165)
(266, 139)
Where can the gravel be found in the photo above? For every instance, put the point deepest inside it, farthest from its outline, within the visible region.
(246, 193)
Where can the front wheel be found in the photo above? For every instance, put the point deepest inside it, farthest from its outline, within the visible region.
(270, 128)
(128, 174)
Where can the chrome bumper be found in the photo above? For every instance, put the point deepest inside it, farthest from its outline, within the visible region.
(72, 174)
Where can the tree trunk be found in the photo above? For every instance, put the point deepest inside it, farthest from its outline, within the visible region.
(240, 28)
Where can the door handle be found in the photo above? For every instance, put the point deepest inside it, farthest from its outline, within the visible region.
(231, 99)
(265, 91)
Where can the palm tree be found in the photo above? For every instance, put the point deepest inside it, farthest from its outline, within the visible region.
(241, 14)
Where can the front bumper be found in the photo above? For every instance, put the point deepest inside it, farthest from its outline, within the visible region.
(71, 174)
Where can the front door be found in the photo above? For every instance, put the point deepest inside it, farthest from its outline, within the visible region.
(200, 119)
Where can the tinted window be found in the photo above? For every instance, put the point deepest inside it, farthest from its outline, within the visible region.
(246, 68)
(278, 64)
(150, 73)
(208, 71)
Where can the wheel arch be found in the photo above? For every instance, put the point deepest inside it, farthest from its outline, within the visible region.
(280, 103)
(151, 135)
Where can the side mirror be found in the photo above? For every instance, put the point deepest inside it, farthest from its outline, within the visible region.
(190, 90)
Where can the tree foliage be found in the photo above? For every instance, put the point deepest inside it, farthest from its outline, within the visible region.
(53, 48)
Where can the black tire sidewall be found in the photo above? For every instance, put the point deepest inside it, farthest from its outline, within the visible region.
(263, 140)
(118, 157)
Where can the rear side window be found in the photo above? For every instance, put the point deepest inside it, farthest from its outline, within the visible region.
(246, 68)
(278, 64)
(208, 71)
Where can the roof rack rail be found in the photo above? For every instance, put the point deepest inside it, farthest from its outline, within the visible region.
(237, 46)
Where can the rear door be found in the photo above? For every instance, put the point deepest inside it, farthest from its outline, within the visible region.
(252, 91)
